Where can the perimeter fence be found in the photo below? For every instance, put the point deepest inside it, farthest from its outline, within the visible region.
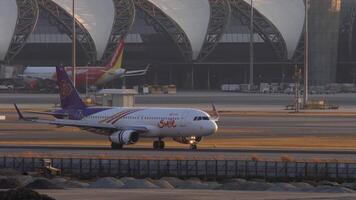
(83, 167)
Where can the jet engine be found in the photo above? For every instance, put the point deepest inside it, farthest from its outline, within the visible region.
(124, 137)
(187, 140)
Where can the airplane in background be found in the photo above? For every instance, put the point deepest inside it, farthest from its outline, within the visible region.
(85, 76)
(125, 126)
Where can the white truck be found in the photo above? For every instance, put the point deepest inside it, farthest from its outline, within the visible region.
(9, 77)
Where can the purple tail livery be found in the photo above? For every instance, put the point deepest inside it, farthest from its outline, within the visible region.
(69, 96)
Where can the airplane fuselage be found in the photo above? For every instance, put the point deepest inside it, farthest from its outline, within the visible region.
(85, 75)
(161, 122)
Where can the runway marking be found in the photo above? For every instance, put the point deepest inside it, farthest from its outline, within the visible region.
(176, 153)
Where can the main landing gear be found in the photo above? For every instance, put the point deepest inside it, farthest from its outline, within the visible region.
(158, 145)
(116, 146)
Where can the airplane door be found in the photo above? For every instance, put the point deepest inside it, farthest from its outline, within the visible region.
(185, 120)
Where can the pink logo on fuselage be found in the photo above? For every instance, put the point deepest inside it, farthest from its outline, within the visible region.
(167, 124)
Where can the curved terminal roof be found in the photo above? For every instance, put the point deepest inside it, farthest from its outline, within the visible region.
(287, 16)
(97, 17)
(192, 16)
(8, 20)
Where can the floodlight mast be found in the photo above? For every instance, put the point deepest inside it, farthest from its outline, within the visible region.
(306, 54)
(251, 46)
(74, 46)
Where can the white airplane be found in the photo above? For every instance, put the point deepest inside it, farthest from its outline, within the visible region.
(98, 76)
(125, 126)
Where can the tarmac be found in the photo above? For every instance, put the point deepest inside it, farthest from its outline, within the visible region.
(265, 130)
(202, 100)
(251, 126)
(158, 194)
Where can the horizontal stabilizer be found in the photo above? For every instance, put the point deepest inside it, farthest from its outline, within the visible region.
(47, 113)
(137, 72)
(19, 112)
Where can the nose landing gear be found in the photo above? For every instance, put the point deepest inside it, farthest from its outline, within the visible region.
(193, 143)
(193, 146)
(116, 146)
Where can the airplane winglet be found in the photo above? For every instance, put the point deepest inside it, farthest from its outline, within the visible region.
(19, 113)
(147, 68)
(215, 113)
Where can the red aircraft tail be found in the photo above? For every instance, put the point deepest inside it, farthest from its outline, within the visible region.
(116, 61)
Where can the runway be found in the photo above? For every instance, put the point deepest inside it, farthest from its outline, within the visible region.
(240, 137)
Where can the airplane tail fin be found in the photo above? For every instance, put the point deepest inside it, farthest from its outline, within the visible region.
(69, 96)
(117, 59)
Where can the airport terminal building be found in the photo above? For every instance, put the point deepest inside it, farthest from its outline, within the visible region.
(194, 44)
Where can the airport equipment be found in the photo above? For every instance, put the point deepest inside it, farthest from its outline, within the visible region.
(265, 88)
(275, 87)
(7, 72)
(48, 170)
(9, 77)
(320, 105)
(7, 88)
(118, 97)
(245, 87)
(155, 89)
(231, 88)
(169, 89)
(125, 126)
(312, 105)
(145, 90)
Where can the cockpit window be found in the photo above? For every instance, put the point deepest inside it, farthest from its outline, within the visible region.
(199, 118)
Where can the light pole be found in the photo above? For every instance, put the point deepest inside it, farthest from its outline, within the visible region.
(306, 54)
(297, 77)
(251, 46)
(86, 82)
(74, 55)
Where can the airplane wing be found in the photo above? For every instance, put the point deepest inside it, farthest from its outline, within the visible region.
(105, 128)
(35, 76)
(127, 73)
(136, 72)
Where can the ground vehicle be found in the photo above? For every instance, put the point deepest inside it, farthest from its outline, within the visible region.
(7, 88)
(48, 170)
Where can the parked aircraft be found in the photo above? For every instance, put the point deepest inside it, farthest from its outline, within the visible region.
(125, 126)
(85, 76)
